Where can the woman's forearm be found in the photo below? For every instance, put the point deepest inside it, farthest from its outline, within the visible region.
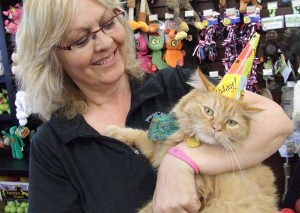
(269, 130)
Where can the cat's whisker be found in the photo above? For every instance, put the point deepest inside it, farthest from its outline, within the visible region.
(236, 146)
(229, 145)
(233, 144)
(229, 157)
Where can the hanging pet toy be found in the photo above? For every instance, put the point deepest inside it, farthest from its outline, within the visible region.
(16, 143)
(230, 44)
(247, 31)
(207, 48)
(252, 80)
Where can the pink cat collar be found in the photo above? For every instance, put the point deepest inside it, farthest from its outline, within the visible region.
(181, 155)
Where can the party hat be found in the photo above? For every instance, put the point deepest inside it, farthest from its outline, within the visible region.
(234, 82)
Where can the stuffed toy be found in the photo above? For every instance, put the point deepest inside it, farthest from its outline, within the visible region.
(4, 106)
(10, 27)
(191, 61)
(16, 143)
(141, 47)
(244, 3)
(219, 5)
(23, 109)
(178, 7)
(142, 11)
(2, 145)
(174, 54)
(290, 45)
(13, 18)
(14, 13)
(156, 44)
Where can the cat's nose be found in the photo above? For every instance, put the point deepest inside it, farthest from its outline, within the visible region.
(217, 128)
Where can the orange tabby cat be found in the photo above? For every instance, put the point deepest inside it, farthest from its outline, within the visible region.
(214, 119)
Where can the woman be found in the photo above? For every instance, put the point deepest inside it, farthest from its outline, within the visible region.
(77, 64)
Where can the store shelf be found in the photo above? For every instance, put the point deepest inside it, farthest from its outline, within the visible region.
(5, 117)
(13, 167)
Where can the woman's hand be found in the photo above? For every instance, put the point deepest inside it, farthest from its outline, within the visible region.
(175, 188)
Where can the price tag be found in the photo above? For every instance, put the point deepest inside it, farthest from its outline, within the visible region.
(251, 9)
(292, 20)
(214, 74)
(271, 23)
(272, 5)
(153, 17)
(267, 72)
(295, 3)
(22, 131)
(169, 16)
(208, 13)
(231, 12)
(188, 13)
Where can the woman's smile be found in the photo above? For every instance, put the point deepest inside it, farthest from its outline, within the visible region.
(107, 61)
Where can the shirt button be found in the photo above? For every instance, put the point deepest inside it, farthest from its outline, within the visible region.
(135, 151)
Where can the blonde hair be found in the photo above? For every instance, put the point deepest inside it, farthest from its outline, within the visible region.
(40, 73)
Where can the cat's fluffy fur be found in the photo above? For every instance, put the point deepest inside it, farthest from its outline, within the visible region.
(217, 120)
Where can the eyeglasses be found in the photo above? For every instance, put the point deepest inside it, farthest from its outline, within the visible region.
(108, 28)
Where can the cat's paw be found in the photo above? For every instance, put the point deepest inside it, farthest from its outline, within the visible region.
(114, 131)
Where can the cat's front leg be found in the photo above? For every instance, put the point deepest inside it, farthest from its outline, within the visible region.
(137, 138)
(127, 135)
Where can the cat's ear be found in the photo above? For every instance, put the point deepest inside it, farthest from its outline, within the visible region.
(208, 85)
(200, 82)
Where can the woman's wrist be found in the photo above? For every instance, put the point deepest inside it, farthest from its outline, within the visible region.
(210, 159)
(178, 153)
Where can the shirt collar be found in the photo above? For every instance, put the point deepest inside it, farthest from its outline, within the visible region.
(67, 130)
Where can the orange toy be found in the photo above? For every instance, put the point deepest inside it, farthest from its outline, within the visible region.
(173, 55)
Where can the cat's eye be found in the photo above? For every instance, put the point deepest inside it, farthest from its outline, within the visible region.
(231, 122)
(208, 111)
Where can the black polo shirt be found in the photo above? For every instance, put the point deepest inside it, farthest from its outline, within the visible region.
(75, 169)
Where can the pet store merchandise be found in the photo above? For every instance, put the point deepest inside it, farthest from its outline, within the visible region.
(287, 98)
(14, 150)
(171, 33)
(292, 194)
